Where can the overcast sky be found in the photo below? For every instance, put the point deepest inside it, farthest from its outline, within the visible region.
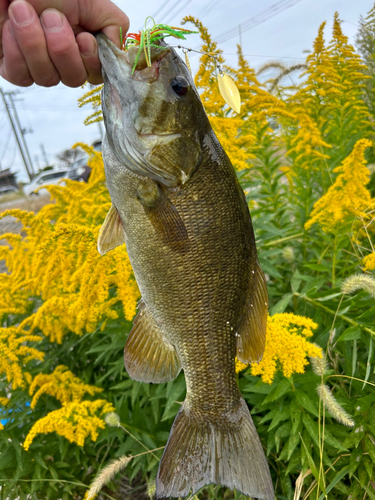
(52, 115)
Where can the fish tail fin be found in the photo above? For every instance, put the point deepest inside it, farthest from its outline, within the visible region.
(200, 452)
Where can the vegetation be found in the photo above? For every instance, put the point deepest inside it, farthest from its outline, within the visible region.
(68, 406)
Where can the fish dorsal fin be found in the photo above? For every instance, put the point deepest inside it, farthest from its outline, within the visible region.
(148, 355)
(112, 233)
(251, 338)
(163, 215)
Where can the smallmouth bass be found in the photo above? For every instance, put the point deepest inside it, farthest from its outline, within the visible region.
(178, 206)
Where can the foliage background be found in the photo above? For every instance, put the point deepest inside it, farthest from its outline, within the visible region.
(300, 152)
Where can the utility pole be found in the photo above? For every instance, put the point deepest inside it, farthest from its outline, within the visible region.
(10, 94)
(15, 134)
(44, 154)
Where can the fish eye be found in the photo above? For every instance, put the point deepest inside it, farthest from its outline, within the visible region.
(180, 85)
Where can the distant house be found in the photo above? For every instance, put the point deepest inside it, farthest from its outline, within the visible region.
(7, 178)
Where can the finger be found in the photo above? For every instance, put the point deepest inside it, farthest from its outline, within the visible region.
(32, 43)
(92, 16)
(14, 67)
(89, 52)
(4, 4)
(63, 48)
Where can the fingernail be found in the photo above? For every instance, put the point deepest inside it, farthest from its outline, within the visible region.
(52, 20)
(87, 47)
(21, 13)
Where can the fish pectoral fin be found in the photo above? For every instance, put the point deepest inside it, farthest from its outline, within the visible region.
(163, 215)
(251, 338)
(148, 355)
(112, 233)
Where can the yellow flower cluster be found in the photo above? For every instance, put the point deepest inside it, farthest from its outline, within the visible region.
(292, 331)
(59, 262)
(62, 384)
(369, 262)
(75, 421)
(348, 196)
(15, 353)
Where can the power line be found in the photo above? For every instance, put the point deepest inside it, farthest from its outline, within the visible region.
(260, 18)
(176, 5)
(207, 8)
(160, 9)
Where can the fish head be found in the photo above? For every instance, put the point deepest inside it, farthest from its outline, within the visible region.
(155, 122)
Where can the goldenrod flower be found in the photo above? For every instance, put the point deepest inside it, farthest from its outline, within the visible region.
(62, 384)
(348, 196)
(287, 347)
(75, 421)
(369, 262)
(15, 353)
(59, 262)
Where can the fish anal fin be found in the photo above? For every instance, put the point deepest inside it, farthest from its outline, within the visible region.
(112, 233)
(163, 215)
(251, 338)
(148, 355)
(226, 452)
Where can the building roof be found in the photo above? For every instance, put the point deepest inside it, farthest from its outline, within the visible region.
(6, 173)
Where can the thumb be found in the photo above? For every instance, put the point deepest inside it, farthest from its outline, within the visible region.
(105, 16)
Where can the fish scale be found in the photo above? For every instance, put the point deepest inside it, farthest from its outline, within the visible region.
(189, 236)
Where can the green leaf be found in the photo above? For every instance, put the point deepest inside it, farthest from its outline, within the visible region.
(370, 448)
(352, 333)
(368, 366)
(295, 414)
(282, 388)
(312, 466)
(355, 460)
(306, 402)
(335, 480)
(318, 267)
(294, 440)
(370, 493)
(313, 429)
(282, 304)
(367, 462)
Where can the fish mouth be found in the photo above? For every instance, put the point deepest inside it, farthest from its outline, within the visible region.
(133, 63)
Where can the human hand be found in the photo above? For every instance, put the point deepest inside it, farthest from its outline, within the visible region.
(48, 41)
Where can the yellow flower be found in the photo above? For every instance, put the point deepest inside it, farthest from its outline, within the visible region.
(58, 261)
(348, 196)
(75, 421)
(369, 262)
(15, 354)
(62, 384)
(287, 347)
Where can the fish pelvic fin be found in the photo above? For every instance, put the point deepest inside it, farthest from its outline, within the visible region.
(112, 233)
(251, 338)
(200, 452)
(148, 355)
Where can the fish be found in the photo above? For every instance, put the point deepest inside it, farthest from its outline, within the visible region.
(178, 206)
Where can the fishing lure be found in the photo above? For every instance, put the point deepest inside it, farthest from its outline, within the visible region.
(149, 37)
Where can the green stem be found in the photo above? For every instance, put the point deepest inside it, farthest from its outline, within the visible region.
(334, 262)
(328, 310)
(275, 242)
(56, 481)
